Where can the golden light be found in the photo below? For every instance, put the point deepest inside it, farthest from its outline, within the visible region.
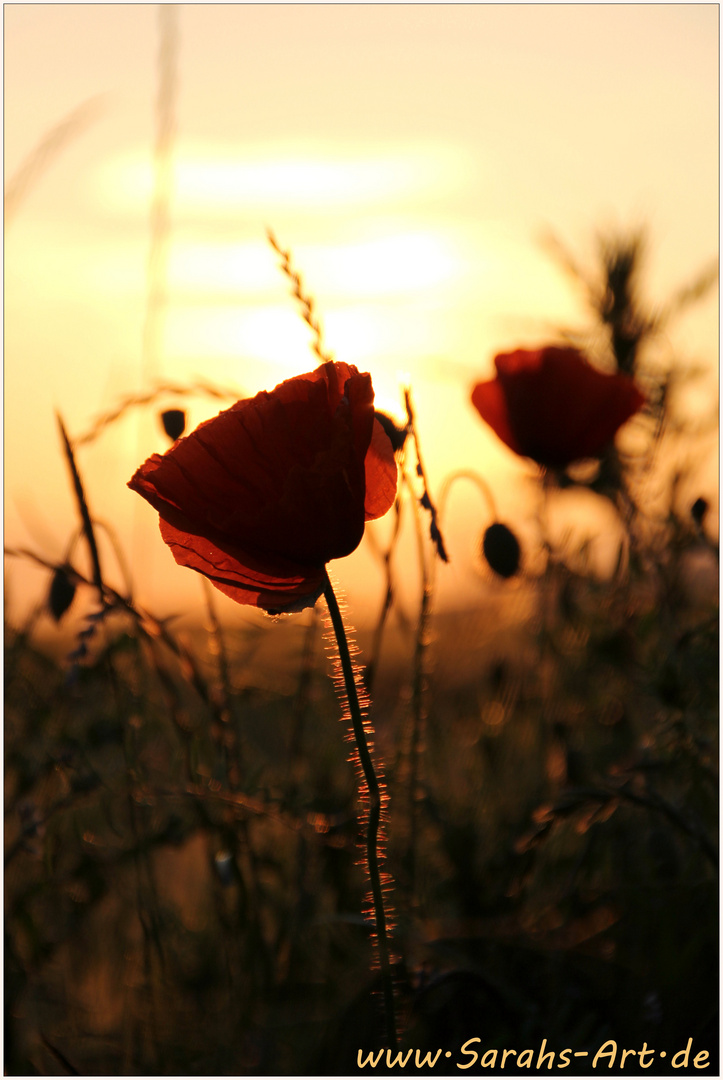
(214, 180)
(409, 194)
(229, 301)
(390, 264)
(233, 335)
(198, 268)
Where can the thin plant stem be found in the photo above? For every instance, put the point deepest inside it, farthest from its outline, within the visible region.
(60, 1058)
(84, 511)
(301, 702)
(374, 809)
(33, 167)
(165, 118)
(306, 301)
(484, 490)
(426, 500)
(227, 734)
(371, 668)
(474, 478)
(419, 686)
(549, 594)
(160, 389)
(238, 839)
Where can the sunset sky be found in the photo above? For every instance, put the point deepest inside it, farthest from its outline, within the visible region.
(410, 157)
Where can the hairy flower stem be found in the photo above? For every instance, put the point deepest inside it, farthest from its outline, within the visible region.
(374, 809)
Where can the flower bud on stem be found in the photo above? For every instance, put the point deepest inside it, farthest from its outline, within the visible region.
(374, 810)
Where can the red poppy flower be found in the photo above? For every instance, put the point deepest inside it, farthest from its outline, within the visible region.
(260, 498)
(552, 406)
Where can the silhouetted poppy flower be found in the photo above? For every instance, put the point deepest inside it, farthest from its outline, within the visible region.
(260, 498)
(552, 406)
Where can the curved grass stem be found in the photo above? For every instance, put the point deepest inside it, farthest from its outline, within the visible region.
(374, 810)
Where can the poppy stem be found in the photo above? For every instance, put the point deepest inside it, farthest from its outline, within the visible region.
(374, 809)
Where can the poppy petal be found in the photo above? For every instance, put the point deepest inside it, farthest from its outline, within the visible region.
(380, 468)
(241, 576)
(490, 402)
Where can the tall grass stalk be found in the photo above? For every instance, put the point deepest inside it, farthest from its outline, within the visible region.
(373, 799)
(24, 180)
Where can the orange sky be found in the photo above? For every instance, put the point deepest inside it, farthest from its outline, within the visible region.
(410, 157)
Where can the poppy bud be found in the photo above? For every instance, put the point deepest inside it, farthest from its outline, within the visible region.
(501, 549)
(174, 423)
(62, 591)
(397, 435)
(698, 510)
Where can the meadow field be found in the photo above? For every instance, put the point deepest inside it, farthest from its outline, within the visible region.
(380, 733)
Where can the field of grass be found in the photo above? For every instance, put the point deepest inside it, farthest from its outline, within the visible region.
(183, 885)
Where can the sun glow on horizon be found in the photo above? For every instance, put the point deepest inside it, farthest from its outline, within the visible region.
(408, 175)
(213, 181)
(224, 292)
(371, 268)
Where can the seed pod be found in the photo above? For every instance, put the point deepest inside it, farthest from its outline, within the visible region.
(174, 423)
(501, 549)
(62, 591)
